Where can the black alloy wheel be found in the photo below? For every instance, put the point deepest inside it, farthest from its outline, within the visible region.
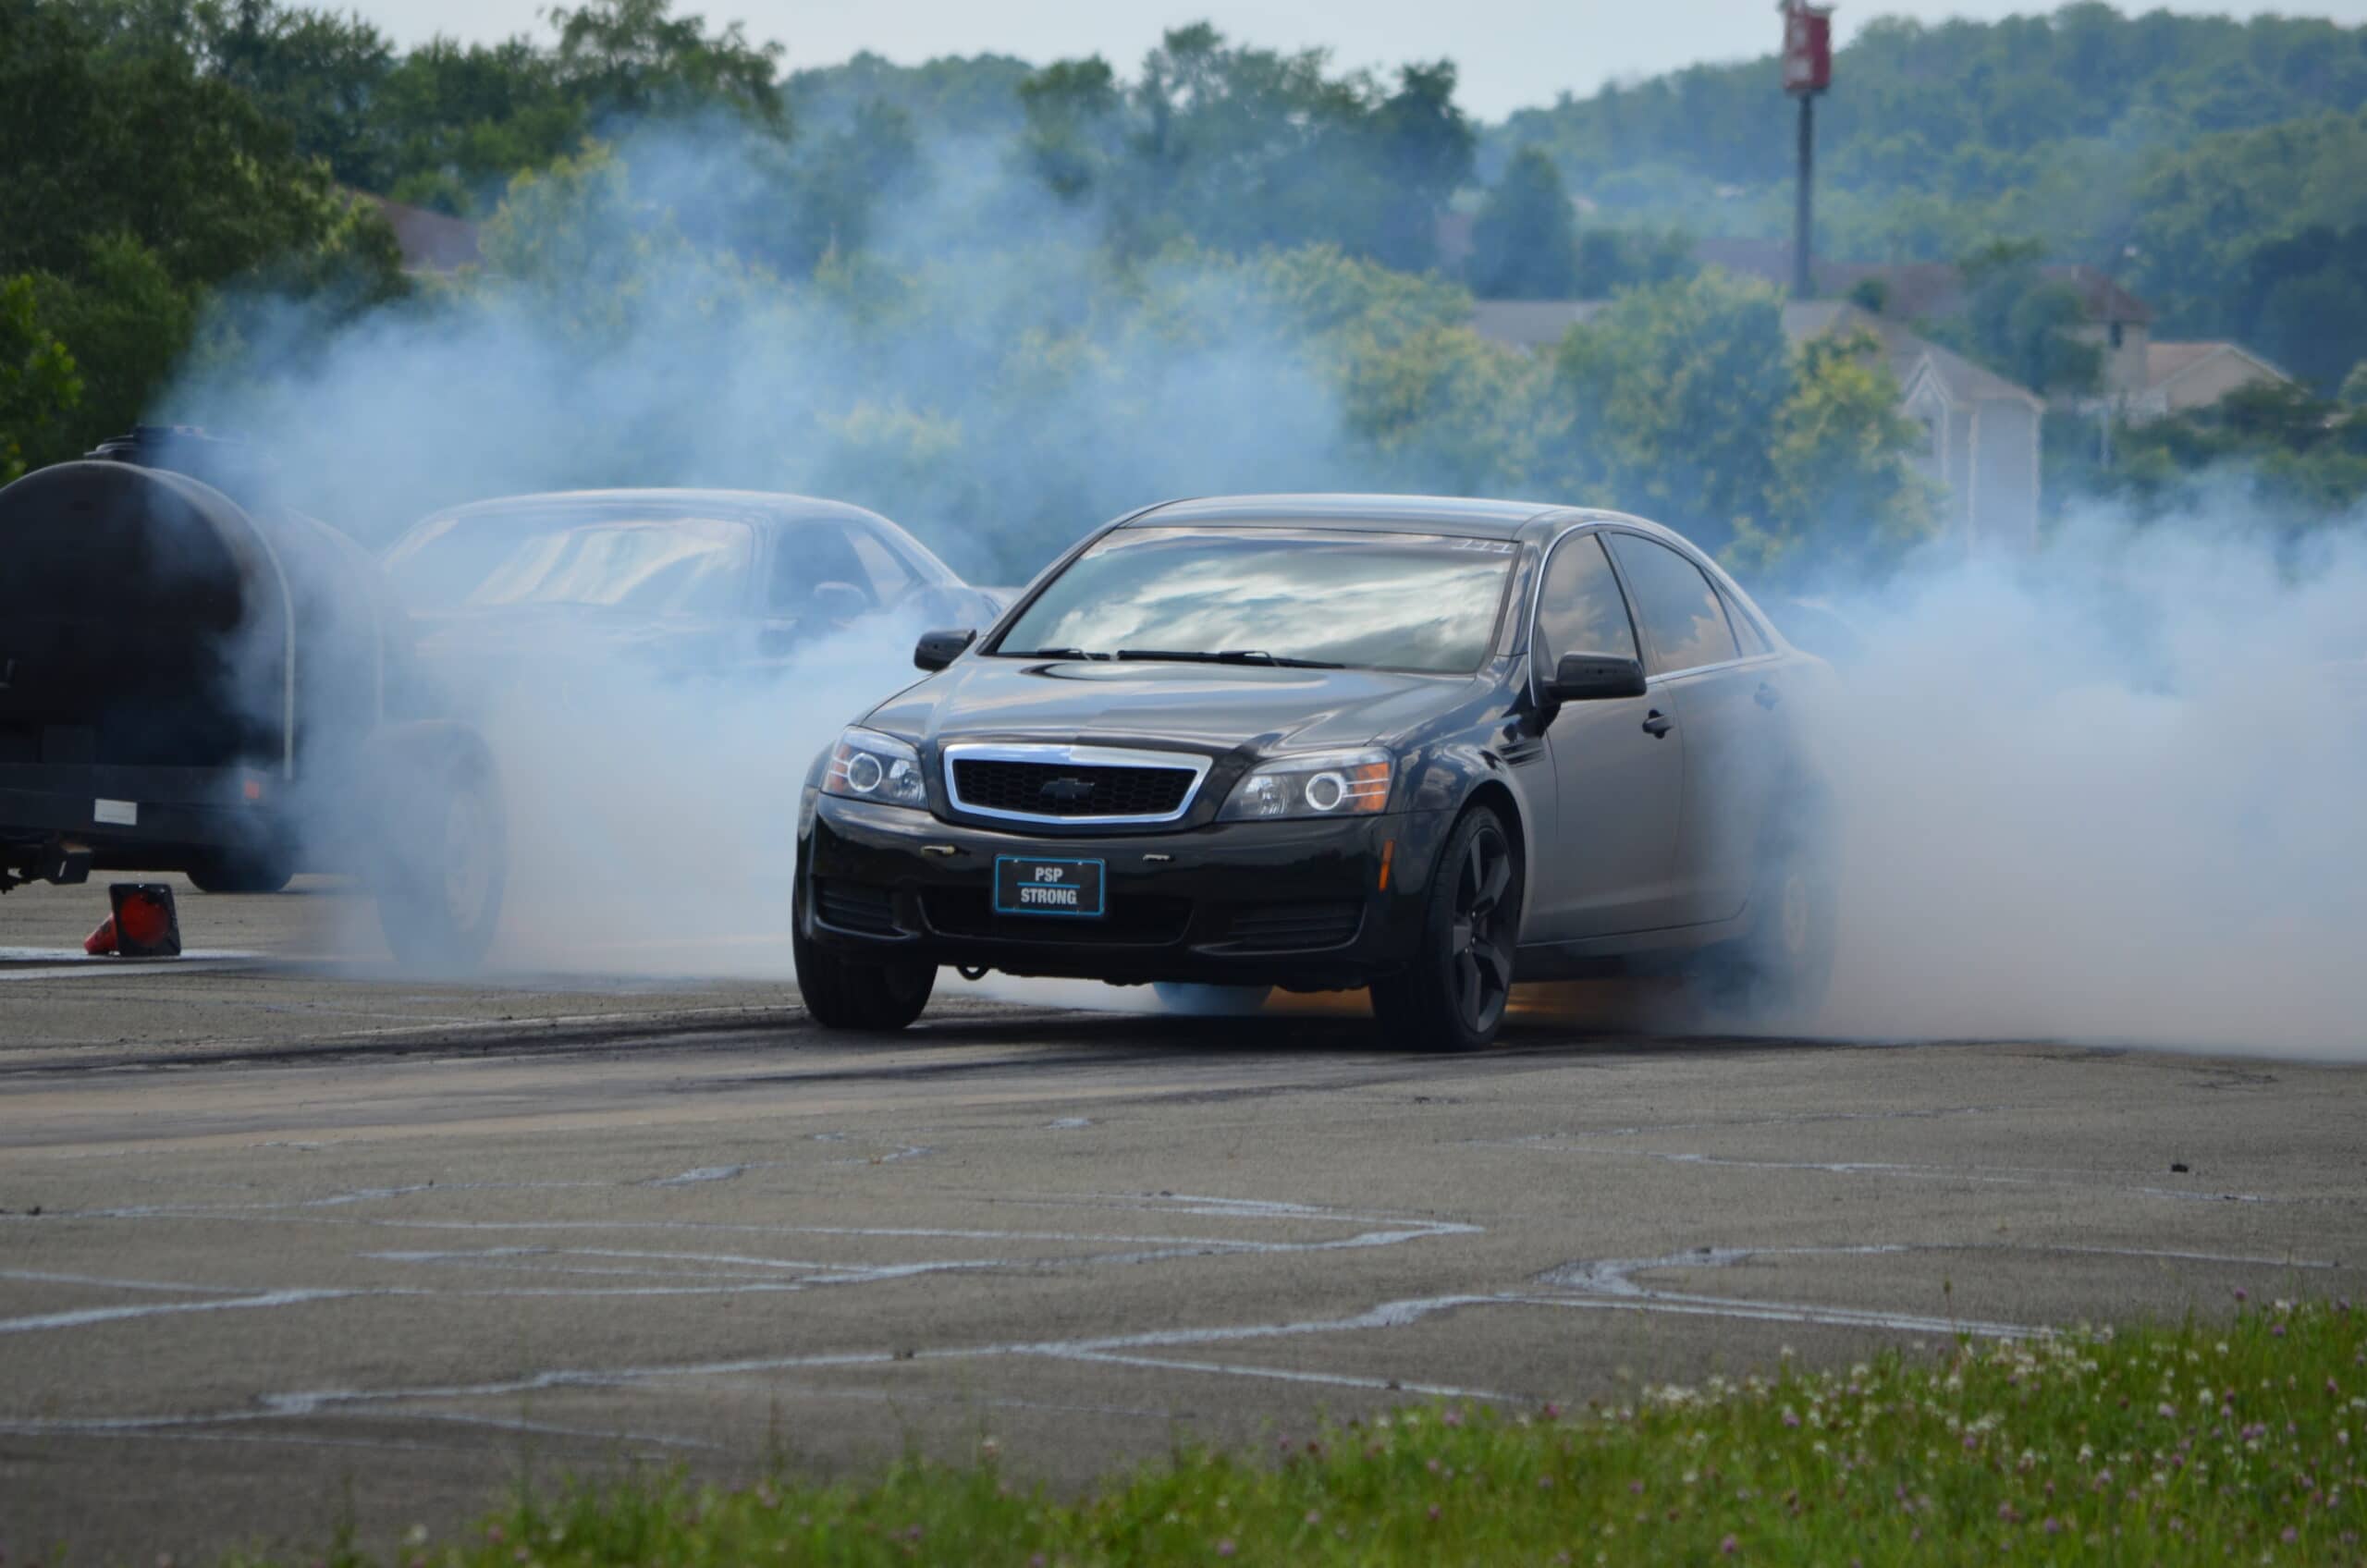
(1454, 990)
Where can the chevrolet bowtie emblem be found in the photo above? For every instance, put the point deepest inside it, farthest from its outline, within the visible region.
(1067, 792)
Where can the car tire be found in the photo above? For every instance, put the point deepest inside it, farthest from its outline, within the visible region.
(1453, 992)
(1779, 972)
(254, 871)
(442, 854)
(844, 994)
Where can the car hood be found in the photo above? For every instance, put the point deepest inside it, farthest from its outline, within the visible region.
(1211, 707)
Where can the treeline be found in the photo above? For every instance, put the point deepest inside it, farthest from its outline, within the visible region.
(2218, 169)
(967, 264)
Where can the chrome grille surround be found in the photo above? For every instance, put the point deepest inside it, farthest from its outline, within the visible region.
(1051, 754)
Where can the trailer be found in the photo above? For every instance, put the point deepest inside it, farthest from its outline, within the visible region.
(196, 678)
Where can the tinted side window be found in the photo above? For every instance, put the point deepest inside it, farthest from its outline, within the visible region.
(810, 554)
(889, 576)
(1683, 620)
(1754, 642)
(1580, 609)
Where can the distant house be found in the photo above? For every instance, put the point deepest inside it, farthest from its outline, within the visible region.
(2184, 376)
(430, 243)
(2142, 376)
(1980, 430)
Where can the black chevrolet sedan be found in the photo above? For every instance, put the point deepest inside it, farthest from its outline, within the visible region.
(1431, 747)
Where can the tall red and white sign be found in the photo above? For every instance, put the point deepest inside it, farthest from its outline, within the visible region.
(1807, 47)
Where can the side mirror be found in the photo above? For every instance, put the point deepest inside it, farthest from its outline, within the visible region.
(1591, 677)
(938, 649)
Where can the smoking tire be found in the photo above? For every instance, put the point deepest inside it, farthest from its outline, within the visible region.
(1452, 994)
(869, 998)
(1779, 972)
(441, 851)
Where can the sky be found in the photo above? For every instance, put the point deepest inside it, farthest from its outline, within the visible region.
(1512, 53)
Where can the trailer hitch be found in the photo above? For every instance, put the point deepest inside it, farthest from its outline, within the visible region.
(67, 865)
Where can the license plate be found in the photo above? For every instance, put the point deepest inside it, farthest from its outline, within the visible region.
(1025, 885)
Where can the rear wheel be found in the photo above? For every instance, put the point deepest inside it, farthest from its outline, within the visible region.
(870, 999)
(1453, 992)
(1780, 971)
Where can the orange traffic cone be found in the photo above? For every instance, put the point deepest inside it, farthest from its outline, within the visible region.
(145, 924)
(102, 940)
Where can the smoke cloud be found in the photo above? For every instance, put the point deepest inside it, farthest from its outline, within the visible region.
(2108, 793)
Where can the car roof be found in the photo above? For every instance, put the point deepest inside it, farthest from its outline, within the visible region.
(1430, 514)
(770, 506)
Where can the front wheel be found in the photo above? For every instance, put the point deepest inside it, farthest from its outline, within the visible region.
(868, 999)
(1454, 991)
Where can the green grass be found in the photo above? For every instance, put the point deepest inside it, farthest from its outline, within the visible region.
(2233, 1442)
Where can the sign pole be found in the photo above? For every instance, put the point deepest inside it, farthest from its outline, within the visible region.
(1808, 70)
(1802, 219)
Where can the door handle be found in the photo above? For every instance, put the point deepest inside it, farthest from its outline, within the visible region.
(1767, 696)
(1657, 724)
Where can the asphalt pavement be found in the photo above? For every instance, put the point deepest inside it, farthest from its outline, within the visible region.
(287, 1238)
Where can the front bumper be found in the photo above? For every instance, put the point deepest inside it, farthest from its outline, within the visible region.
(1298, 904)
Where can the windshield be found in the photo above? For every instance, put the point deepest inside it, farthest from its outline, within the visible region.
(1379, 601)
(657, 566)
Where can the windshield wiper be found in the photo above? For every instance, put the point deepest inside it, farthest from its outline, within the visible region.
(1048, 653)
(1230, 656)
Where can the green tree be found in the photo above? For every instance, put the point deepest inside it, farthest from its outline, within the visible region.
(1671, 394)
(635, 59)
(2022, 324)
(1845, 496)
(138, 186)
(1236, 147)
(39, 384)
(1524, 243)
(1422, 145)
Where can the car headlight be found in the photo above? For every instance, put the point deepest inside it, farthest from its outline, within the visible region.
(867, 766)
(1318, 784)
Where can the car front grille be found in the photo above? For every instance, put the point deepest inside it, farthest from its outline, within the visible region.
(854, 906)
(1295, 927)
(1058, 790)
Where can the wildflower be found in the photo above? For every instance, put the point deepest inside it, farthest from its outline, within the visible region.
(1224, 1547)
(1729, 1546)
(1314, 1517)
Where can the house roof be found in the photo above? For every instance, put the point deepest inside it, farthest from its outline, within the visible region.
(1539, 324)
(1958, 379)
(429, 241)
(2164, 362)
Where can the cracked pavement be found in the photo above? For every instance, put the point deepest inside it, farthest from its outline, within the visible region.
(282, 1233)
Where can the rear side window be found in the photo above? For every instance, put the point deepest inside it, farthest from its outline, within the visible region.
(1580, 609)
(888, 576)
(1754, 642)
(1682, 618)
